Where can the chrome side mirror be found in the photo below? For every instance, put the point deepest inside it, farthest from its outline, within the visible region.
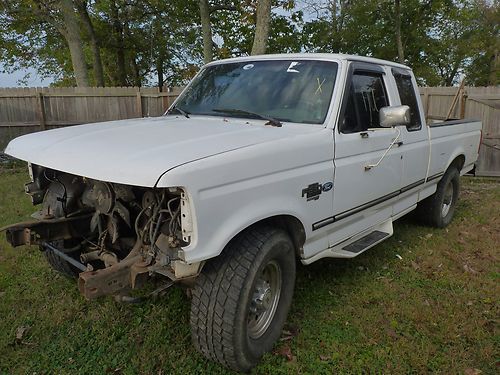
(394, 116)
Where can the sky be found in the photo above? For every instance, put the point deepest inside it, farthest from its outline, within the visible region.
(11, 79)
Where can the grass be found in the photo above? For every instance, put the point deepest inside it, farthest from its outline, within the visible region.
(434, 310)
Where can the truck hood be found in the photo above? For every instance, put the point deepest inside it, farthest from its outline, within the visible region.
(138, 151)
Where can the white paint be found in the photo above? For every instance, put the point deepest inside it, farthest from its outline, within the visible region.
(236, 172)
(138, 151)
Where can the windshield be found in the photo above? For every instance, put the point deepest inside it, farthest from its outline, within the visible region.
(285, 90)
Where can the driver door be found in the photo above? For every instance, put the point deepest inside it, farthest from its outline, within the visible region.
(363, 196)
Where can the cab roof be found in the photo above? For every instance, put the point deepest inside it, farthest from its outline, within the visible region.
(312, 56)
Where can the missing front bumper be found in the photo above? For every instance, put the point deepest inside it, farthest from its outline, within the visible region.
(36, 232)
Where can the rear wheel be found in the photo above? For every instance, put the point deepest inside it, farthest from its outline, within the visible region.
(438, 209)
(242, 297)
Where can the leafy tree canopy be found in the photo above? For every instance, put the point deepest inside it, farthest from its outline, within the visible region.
(159, 42)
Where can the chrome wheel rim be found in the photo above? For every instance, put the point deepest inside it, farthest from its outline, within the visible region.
(265, 299)
(447, 200)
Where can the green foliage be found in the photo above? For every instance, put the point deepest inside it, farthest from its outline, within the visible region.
(433, 311)
(146, 42)
(442, 39)
(26, 39)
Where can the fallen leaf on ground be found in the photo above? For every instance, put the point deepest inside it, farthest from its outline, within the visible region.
(392, 333)
(324, 357)
(290, 330)
(472, 371)
(20, 332)
(110, 370)
(286, 352)
(469, 269)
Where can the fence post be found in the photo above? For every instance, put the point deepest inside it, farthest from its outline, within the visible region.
(463, 102)
(41, 111)
(165, 102)
(426, 104)
(455, 99)
(139, 104)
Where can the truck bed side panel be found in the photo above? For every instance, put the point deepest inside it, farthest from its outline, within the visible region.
(452, 139)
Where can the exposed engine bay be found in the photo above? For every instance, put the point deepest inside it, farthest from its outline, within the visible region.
(111, 233)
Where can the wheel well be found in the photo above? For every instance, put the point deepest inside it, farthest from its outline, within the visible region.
(289, 224)
(458, 162)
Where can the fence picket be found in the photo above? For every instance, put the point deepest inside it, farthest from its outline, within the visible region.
(25, 110)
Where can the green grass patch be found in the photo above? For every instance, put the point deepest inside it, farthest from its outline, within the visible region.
(434, 310)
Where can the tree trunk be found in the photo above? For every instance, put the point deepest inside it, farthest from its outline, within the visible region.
(159, 71)
(399, 42)
(120, 48)
(206, 29)
(136, 73)
(132, 57)
(75, 43)
(262, 27)
(494, 68)
(96, 52)
(450, 77)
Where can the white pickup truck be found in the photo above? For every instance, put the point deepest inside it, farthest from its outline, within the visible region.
(261, 160)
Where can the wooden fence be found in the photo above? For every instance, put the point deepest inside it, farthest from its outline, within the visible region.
(25, 110)
(481, 103)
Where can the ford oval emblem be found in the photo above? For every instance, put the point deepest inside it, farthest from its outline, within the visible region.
(327, 186)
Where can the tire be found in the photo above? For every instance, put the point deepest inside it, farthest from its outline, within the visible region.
(438, 209)
(230, 323)
(59, 264)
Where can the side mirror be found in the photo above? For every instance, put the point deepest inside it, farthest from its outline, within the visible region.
(394, 116)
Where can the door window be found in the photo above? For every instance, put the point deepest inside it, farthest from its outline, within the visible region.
(407, 96)
(367, 94)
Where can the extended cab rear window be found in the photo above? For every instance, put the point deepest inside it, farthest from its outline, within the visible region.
(408, 97)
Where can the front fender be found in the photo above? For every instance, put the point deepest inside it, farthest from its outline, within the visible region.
(224, 226)
(231, 191)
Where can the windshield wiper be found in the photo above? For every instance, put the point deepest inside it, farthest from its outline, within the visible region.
(180, 110)
(271, 121)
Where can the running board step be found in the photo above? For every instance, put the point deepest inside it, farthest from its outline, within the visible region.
(353, 246)
(366, 242)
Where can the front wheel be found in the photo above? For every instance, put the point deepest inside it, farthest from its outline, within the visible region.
(59, 264)
(438, 209)
(242, 297)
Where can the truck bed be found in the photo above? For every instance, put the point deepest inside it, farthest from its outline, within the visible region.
(448, 139)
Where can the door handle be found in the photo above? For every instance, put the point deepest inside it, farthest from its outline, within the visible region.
(400, 143)
(395, 140)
